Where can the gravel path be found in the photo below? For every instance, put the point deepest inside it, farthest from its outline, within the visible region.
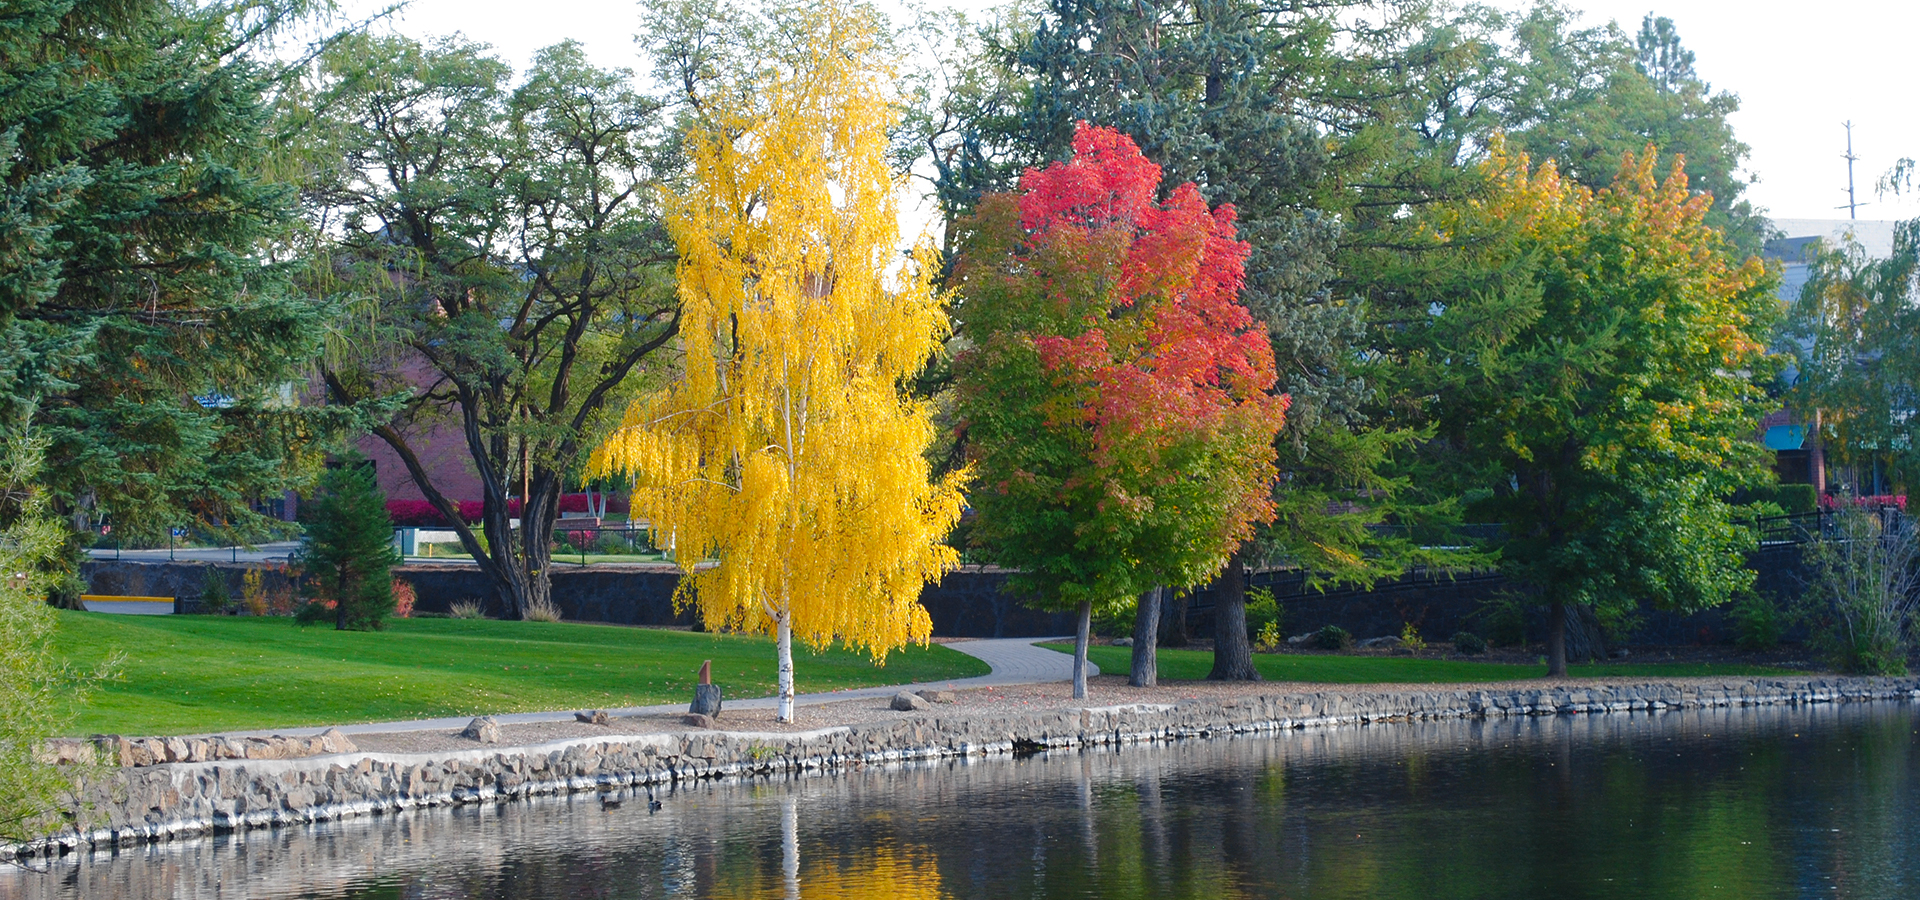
(1015, 661)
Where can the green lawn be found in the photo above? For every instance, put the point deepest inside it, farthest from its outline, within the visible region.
(192, 674)
(1193, 665)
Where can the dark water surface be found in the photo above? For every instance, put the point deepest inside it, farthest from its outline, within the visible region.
(1814, 802)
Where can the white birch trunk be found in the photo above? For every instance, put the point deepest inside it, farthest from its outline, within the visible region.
(784, 629)
(1080, 652)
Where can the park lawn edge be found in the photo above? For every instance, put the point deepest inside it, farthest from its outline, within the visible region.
(208, 674)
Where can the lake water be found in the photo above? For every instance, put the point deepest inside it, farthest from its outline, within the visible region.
(1814, 802)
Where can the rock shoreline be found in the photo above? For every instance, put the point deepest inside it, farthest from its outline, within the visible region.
(163, 802)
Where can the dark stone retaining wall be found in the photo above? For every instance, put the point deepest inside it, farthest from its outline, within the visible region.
(970, 602)
(163, 802)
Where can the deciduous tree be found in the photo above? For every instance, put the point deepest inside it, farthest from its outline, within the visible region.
(498, 250)
(785, 466)
(1116, 393)
(1590, 359)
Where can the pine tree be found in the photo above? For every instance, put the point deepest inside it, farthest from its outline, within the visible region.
(787, 454)
(348, 551)
(141, 324)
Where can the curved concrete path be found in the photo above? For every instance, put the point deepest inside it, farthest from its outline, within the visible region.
(1014, 661)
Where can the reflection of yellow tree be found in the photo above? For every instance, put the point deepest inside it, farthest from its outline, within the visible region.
(886, 870)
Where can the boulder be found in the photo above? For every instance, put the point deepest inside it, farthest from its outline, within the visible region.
(1123, 642)
(596, 717)
(906, 702)
(936, 696)
(1380, 643)
(706, 700)
(483, 729)
(698, 720)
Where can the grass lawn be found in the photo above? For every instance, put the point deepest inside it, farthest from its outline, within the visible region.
(1193, 665)
(193, 674)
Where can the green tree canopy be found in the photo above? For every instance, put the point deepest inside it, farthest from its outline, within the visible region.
(499, 249)
(1589, 358)
(141, 317)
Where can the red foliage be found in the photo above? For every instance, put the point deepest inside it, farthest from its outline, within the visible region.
(1876, 501)
(1190, 355)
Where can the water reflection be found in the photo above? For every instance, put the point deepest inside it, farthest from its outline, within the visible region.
(1757, 803)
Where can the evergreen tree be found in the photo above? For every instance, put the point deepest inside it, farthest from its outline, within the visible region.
(138, 312)
(348, 551)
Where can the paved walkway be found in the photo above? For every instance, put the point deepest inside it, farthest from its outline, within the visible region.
(1014, 661)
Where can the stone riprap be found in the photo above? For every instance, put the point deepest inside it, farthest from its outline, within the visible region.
(166, 801)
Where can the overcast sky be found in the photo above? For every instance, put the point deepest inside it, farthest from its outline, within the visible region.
(1800, 69)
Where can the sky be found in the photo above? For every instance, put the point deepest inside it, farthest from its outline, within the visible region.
(1800, 70)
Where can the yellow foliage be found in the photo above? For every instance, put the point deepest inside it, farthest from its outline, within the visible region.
(785, 467)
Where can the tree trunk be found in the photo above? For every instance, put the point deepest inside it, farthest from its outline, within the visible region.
(1080, 651)
(1146, 633)
(1232, 653)
(1556, 639)
(1173, 619)
(784, 640)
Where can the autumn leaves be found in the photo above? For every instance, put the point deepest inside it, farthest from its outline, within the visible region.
(1115, 396)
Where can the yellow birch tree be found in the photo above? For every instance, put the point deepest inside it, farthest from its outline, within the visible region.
(786, 464)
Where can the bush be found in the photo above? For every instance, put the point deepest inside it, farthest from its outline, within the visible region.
(1469, 643)
(467, 609)
(543, 613)
(403, 599)
(349, 551)
(1263, 613)
(215, 598)
(1504, 618)
(1410, 637)
(1332, 637)
(1758, 624)
(1861, 591)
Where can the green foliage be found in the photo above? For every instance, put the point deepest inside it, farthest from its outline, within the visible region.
(1857, 347)
(348, 551)
(1410, 637)
(215, 596)
(1263, 613)
(1504, 619)
(198, 674)
(139, 312)
(1861, 595)
(523, 214)
(1469, 643)
(39, 690)
(1573, 349)
(1331, 637)
(1790, 499)
(1758, 622)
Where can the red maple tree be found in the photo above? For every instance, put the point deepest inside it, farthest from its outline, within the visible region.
(1117, 396)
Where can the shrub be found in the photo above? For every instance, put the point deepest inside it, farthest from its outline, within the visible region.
(253, 592)
(1758, 624)
(1410, 637)
(543, 612)
(1861, 590)
(1469, 643)
(467, 609)
(403, 599)
(1332, 637)
(1269, 637)
(349, 550)
(215, 598)
(1263, 612)
(1505, 619)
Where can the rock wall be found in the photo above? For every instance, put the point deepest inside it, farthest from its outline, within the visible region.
(162, 802)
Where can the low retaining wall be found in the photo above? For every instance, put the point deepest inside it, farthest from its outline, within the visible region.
(163, 802)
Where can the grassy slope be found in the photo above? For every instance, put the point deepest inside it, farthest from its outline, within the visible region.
(191, 674)
(1193, 665)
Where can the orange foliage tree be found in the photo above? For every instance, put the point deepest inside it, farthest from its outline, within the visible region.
(1116, 394)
